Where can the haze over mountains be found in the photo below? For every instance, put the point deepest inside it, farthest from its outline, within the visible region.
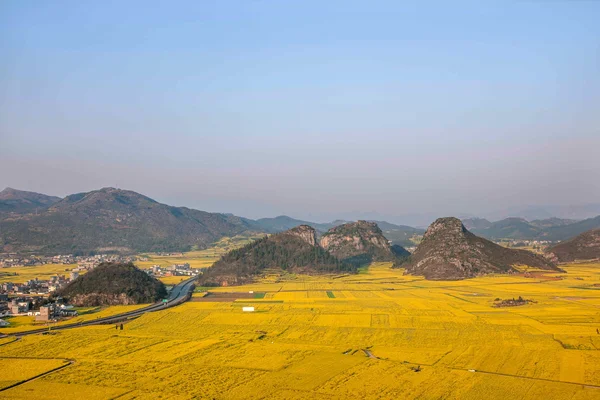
(109, 219)
(118, 220)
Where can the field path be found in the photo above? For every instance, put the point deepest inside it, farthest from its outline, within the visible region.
(68, 363)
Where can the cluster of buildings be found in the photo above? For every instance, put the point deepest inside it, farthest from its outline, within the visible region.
(25, 305)
(173, 270)
(17, 299)
(38, 286)
(534, 244)
(83, 262)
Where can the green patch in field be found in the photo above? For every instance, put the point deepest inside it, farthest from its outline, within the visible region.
(200, 289)
(330, 294)
(364, 269)
(87, 310)
(259, 295)
(246, 301)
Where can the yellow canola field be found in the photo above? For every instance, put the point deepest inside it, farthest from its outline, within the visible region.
(27, 323)
(22, 369)
(196, 259)
(375, 335)
(43, 272)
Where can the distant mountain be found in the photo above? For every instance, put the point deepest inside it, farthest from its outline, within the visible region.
(585, 246)
(576, 212)
(360, 242)
(20, 202)
(399, 234)
(116, 220)
(526, 212)
(476, 223)
(552, 229)
(449, 251)
(113, 284)
(565, 232)
(295, 250)
(509, 228)
(551, 222)
(283, 223)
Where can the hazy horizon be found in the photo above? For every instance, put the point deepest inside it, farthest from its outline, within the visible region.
(309, 110)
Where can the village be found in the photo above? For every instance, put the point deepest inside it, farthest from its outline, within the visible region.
(8, 260)
(32, 297)
(158, 271)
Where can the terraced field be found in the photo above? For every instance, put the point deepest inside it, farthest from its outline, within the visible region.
(378, 334)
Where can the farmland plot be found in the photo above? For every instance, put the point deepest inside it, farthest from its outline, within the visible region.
(379, 334)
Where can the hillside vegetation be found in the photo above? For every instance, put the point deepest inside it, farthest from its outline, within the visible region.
(582, 247)
(114, 220)
(13, 201)
(113, 284)
(295, 250)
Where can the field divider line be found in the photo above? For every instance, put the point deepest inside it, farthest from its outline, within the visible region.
(529, 377)
(122, 394)
(460, 298)
(16, 339)
(69, 363)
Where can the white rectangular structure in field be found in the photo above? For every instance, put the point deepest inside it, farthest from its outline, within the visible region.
(248, 309)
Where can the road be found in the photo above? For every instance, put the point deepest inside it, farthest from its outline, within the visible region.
(179, 294)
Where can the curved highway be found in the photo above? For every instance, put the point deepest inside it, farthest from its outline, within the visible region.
(179, 294)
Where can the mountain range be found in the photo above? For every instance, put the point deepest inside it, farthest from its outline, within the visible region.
(550, 229)
(13, 201)
(115, 220)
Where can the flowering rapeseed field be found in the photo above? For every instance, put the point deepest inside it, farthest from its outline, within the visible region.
(376, 335)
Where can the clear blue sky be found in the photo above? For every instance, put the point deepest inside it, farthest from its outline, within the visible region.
(313, 109)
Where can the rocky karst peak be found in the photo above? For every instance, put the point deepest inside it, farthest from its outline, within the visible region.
(304, 232)
(449, 251)
(446, 226)
(360, 242)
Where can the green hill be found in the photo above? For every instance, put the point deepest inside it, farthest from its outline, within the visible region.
(112, 284)
(13, 201)
(114, 220)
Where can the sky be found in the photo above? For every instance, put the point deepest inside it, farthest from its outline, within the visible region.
(318, 110)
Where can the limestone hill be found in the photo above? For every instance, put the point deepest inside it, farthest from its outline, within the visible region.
(295, 250)
(585, 246)
(449, 251)
(360, 243)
